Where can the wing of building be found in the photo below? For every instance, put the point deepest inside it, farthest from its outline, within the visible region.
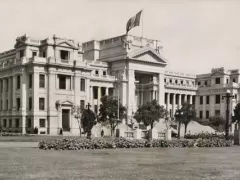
(40, 81)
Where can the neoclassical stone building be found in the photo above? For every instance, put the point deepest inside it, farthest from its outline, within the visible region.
(40, 81)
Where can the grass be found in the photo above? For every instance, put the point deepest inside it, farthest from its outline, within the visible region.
(120, 164)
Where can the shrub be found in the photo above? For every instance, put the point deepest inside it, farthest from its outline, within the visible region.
(13, 134)
(207, 136)
(82, 143)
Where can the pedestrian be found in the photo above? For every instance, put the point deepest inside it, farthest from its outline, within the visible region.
(102, 133)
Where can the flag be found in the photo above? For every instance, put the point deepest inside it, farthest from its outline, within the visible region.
(134, 21)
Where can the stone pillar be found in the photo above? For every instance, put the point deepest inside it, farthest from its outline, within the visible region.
(107, 91)
(204, 107)
(3, 94)
(190, 99)
(23, 99)
(141, 97)
(161, 89)
(91, 96)
(168, 135)
(13, 93)
(131, 91)
(179, 100)
(99, 97)
(168, 101)
(137, 134)
(185, 97)
(173, 104)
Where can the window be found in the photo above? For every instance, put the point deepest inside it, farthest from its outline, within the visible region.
(6, 108)
(10, 122)
(1, 85)
(207, 114)
(170, 80)
(62, 82)
(64, 55)
(105, 73)
(1, 105)
(227, 81)
(95, 93)
(200, 114)
(82, 84)
(4, 123)
(6, 88)
(96, 72)
(176, 81)
(217, 112)
(207, 99)
(217, 81)
(42, 123)
(34, 53)
(234, 80)
(30, 80)
(217, 99)
(201, 99)
(18, 82)
(82, 104)
(41, 80)
(29, 122)
(95, 109)
(30, 103)
(181, 82)
(165, 80)
(44, 54)
(17, 122)
(21, 54)
(205, 83)
(41, 103)
(199, 83)
(18, 104)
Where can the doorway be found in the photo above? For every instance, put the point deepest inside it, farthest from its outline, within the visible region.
(66, 119)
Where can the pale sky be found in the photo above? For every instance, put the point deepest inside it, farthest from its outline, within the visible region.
(196, 35)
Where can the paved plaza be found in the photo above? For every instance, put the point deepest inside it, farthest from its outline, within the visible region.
(22, 160)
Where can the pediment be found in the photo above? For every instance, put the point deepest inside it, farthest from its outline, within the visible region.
(64, 102)
(217, 74)
(147, 55)
(66, 44)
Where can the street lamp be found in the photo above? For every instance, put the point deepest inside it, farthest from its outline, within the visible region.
(116, 86)
(178, 115)
(227, 96)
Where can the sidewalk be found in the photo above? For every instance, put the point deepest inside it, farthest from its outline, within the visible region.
(19, 144)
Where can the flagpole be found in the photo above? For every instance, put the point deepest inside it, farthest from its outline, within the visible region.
(142, 23)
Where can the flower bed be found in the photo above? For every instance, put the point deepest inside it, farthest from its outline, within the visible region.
(82, 143)
(13, 134)
(207, 136)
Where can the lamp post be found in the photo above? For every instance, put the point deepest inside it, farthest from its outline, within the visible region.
(227, 96)
(116, 85)
(178, 116)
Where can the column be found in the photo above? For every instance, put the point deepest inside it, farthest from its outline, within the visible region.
(106, 91)
(161, 89)
(99, 98)
(3, 94)
(185, 97)
(204, 107)
(190, 99)
(23, 98)
(173, 104)
(13, 93)
(91, 96)
(168, 101)
(179, 100)
(141, 97)
(131, 91)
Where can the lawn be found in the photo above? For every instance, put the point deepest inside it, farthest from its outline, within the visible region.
(120, 164)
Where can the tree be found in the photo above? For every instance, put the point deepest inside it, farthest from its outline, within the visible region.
(236, 115)
(150, 113)
(88, 120)
(108, 112)
(217, 123)
(189, 114)
(77, 111)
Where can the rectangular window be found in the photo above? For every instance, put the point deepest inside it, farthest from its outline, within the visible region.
(207, 114)
(82, 84)
(10, 122)
(234, 80)
(200, 114)
(17, 122)
(6, 108)
(6, 88)
(217, 112)
(205, 83)
(207, 99)
(18, 82)
(41, 80)
(42, 123)
(1, 85)
(64, 55)
(30, 81)
(41, 103)
(62, 82)
(96, 72)
(4, 123)
(201, 99)
(21, 54)
(18, 104)
(30, 103)
(44, 54)
(95, 93)
(217, 80)
(1, 105)
(105, 73)
(199, 83)
(34, 53)
(217, 99)
(29, 122)
(82, 104)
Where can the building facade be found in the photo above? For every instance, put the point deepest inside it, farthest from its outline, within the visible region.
(40, 81)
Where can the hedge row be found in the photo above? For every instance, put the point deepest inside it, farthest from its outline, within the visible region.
(13, 134)
(82, 143)
(207, 136)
